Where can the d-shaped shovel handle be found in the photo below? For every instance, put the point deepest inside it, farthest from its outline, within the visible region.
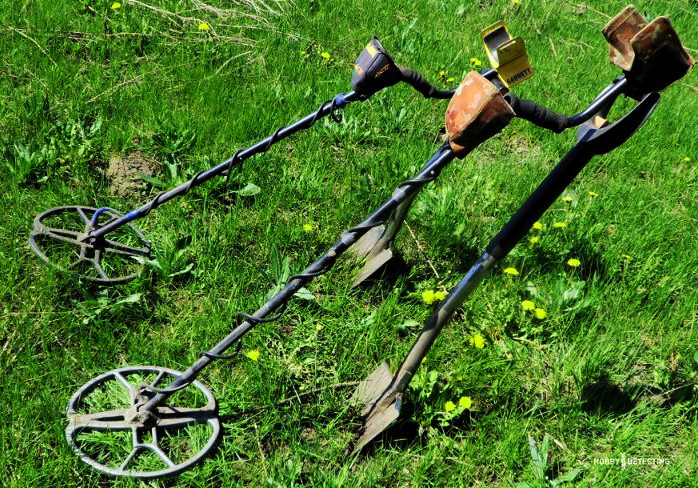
(591, 141)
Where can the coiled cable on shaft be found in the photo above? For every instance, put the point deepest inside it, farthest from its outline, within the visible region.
(338, 102)
(327, 260)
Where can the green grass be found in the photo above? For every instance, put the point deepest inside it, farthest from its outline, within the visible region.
(610, 372)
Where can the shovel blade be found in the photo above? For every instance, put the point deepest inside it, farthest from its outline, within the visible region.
(375, 424)
(372, 388)
(380, 409)
(375, 265)
(367, 243)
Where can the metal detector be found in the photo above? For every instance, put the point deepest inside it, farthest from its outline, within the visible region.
(102, 246)
(655, 59)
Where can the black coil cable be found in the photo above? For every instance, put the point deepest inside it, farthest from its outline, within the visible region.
(335, 104)
(328, 259)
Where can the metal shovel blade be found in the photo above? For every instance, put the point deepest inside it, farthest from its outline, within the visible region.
(380, 407)
(368, 241)
(375, 265)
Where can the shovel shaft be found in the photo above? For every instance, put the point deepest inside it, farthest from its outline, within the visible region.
(439, 318)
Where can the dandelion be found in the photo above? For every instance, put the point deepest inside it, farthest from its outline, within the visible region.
(465, 402)
(516, 2)
(428, 297)
(253, 354)
(449, 406)
(537, 225)
(534, 240)
(567, 199)
(574, 262)
(115, 6)
(477, 341)
(450, 80)
(439, 295)
(528, 305)
(204, 26)
(307, 227)
(560, 225)
(424, 360)
(687, 159)
(475, 62)
(442, 73)
(540, 313)
(511, 271)
(325, 55)
(593, 194)
(459, 377)
(319, 327)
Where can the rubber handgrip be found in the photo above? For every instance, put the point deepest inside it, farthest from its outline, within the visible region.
(537, 114)
(422, 85)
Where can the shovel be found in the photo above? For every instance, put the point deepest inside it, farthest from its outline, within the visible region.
(381, 393)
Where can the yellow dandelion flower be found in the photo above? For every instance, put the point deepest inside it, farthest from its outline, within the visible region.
(593, 194)
(115, 6)
(450, 80)
(475, 62)
(560, 225)
(204, 26)
(465, 402)
(687, 159)
(574, 262)
(534, 240)
(439, 295)
(516, 2)
(307, 227)
(459, 377)
(567, 199)
(511, 271)
(253, 354)
(442, 73)
(528, 305)
(537, 225)
(424, 360)
(428, 297)
(540, 313)
(319, 327)
(325, 55)
(477, 341)
(449, 406)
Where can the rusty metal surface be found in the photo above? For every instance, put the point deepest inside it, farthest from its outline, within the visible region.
(82, 252)
(149, 430)
(476, 112)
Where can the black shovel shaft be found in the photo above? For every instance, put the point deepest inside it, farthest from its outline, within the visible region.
(438, 319)
(541, 199)
(591, 142)
(260, 147)
(546, 193)
(405, 191)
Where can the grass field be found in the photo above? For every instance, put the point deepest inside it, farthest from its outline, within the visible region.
(89, 91)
